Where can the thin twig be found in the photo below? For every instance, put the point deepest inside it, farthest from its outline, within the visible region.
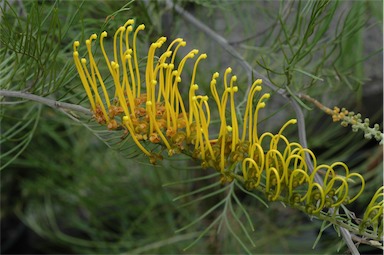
(298, 111)
(364, 240)
(49, 102)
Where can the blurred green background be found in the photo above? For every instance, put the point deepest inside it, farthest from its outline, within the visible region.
(68, 187)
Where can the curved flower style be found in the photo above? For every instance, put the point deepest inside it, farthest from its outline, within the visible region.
(373, 216)
(159, 115)
(287, 176)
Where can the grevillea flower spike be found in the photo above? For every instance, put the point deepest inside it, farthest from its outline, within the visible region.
(153, 111)
(158, 113)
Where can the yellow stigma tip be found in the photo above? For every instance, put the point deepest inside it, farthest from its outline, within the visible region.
(141, 27)
(125, 118)
(83, 60)
(168, 54)
(259, 81)
(104, 34)
(195, 86)
(235, 89)
(129, 22)
(76, 44)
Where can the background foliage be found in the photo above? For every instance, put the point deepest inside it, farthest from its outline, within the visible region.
(62, 185)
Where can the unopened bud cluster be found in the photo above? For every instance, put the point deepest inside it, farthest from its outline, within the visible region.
(355, 120)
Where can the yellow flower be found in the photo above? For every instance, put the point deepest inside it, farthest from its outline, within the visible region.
(155, 112)
(288, 177)
(158, 112)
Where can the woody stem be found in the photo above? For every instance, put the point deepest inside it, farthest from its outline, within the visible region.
(49, 102)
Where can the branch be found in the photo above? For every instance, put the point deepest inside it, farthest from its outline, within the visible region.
(49, 102)
(373, 243)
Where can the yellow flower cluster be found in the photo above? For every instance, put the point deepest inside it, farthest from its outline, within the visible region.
(284, 174)
(181, 124)
(159, 114)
